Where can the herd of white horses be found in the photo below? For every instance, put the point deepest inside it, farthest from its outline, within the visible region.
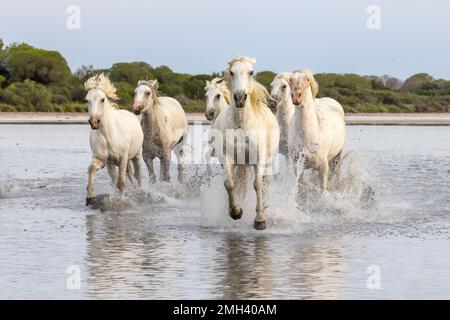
(244, 132)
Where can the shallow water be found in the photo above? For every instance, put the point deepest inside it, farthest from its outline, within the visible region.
(177, 241)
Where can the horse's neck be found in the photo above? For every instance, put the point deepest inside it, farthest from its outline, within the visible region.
(220, 107)
(308, 120)
(153, 117)
(106, 126)
(285, 111)
(242, 116)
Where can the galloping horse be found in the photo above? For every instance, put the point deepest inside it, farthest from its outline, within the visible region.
(319, 125)
(217, 98)
(251, 135)
(165, 128)
(116, 136)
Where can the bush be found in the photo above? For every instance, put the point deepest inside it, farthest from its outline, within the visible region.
(7, 108)
(28, 96)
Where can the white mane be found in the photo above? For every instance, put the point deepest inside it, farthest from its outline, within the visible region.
(220, 85)
(285, 76)
(102, 82)
(252, 61)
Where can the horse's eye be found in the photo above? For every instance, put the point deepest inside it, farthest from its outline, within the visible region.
(147, 93)
(251, 73)
(283, 87)
(218, 96)
(103, 100)
(231, 73)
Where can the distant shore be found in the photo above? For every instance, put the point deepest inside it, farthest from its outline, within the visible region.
(424, 119)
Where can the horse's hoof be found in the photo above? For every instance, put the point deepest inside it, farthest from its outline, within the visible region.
(90, 201)
(236, 216)
(259, 225)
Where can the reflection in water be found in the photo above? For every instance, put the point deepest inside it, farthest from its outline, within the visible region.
(127, 257)
(258, 268)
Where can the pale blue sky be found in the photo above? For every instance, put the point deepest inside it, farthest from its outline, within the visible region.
(199, 36)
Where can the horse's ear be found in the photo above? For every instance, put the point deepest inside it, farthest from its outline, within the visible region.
(207, 83)
(154, 84)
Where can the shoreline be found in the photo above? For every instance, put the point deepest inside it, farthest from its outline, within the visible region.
(415, 119)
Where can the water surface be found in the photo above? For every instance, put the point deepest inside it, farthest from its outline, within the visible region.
(177, 241)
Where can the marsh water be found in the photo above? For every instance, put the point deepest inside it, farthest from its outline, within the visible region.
(177, 241)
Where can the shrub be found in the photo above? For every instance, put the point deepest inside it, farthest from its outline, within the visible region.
(28, 96)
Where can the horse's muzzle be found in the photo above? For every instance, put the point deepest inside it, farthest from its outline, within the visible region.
(272, 102)
(137, 108)
(239, 99)
(94, 123)
(296, 99)
(209, 115)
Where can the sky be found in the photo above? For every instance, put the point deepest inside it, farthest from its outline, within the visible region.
(200, 36)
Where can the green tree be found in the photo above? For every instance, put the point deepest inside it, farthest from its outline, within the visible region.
(194, 86)
(130, 72)
(26, 62)
(265, 77)
(416, 82)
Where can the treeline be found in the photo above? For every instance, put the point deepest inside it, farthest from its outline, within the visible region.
(33, 79)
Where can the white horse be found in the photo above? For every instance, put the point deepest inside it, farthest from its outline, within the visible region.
(251, 136)
(281, 92)
(318, 126)
(165, 128)
(217, 98)
(116, 137)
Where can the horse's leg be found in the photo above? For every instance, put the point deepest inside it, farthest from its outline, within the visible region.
(208, 156)
(301, 190)
(151, 170)
(180, 158)
(323, 174)
(165, 166)
(260, 223)
(95, 165)
(235, 210)
(123, 164)
(112, 170)
(137, 170)
(335, 167)
(130, 172)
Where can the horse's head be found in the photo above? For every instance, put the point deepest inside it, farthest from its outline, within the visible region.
(280, 89)
(95, 100)
(145, 95)
(217, 97)
(240, 72)
(99, 89)
(300, 82)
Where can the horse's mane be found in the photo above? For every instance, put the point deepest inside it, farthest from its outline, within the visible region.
(102, 82)
(285, 76)
(241, 58)
(259, 95)
(312, 81)
(152, 84)
(221, 85)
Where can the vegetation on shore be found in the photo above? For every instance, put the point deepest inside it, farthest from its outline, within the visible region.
(38, 80)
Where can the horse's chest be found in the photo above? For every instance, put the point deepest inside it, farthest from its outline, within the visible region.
(243, 149)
